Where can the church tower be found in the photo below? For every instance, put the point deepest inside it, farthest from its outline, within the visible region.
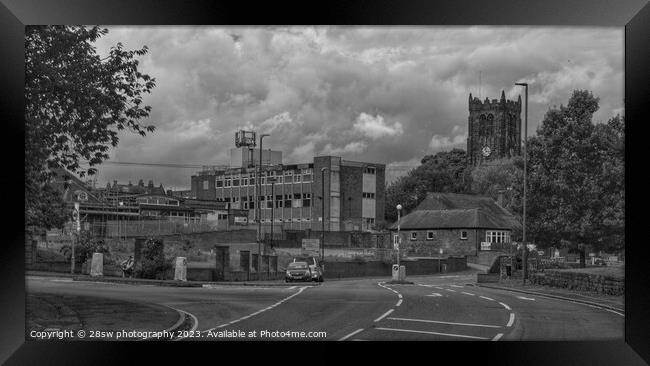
(494, 129)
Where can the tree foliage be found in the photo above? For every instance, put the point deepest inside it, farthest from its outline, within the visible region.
(443, 172)
(576, 181)
(75, 104)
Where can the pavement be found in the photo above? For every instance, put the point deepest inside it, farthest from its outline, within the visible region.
(616, 303)
(438, 307)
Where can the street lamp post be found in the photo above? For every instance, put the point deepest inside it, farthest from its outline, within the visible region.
(322, 241)
(399, 238)
(439, 259)
(525, 252)
(259, 209)
(272, 181)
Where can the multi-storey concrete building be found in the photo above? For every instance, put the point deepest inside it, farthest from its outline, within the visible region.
(290, 195)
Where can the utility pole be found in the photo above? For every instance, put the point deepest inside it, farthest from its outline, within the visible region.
(525, 248)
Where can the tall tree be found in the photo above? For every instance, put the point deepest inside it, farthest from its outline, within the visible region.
(503, 176)
(75, 104)
(443, 172)
(575, 177)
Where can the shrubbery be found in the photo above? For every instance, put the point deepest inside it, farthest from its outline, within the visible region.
(154, 264)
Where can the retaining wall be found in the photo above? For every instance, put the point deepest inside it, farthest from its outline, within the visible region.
(580, 281)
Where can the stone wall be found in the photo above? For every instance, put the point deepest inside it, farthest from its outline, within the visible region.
(580, 281)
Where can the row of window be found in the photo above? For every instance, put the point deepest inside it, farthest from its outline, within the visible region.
(245, 182)
(369, 195)
(370, 170)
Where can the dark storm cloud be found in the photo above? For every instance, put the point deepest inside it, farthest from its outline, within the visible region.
(384, 94)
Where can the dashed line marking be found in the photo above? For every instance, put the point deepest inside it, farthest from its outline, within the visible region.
(497, 337)
(467, 293)
(437, 288)
(434, 333)
(505, 306)
(486, 298)
(450, 290)
(351, 334)
(456, 286)
(435, 294)
(399, 302)
(385, 315)
(399, 295)
(301, 289)
(441, 322)
(511, 320)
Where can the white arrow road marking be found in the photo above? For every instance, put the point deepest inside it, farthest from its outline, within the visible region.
(525, 298)
(441, 322)
(434, 333)
(351, 334)
(435, 294)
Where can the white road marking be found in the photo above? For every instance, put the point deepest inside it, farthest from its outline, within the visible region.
(399, 302)
(505, 306)
(385, 314)
(437, 288)
(450, 290)
(435, 294)
(511, 320)
(291, 288)
(351, 334)
(399, 295)
(456, 286)
(467, 293)
(434, 333)
(525, 298)
(615, 312)
(195, 322)
(62, 280)
(301, 289)
(441, 322)
(497, 337)
(357, 339)
(486, 298)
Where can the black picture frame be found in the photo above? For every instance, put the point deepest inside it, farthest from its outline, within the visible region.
(15, 14)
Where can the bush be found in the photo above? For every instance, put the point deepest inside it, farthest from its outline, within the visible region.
(154, 264)
(84, 248)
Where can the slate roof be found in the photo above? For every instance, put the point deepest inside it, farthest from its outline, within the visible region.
(450, 210)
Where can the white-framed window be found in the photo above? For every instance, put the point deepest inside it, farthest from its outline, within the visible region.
(244, 182)
(430, 235)
(219, 183)
(227, 182)
(463, 235)
(296, 178)
(395, 240)
(414, 235)
(500, 236)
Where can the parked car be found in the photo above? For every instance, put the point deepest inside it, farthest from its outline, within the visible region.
(316, 272)
(298, 271)
(600, 262)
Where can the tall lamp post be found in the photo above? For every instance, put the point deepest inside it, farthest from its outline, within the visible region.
(272, 181)
(322, 241)
(259, 209)
(399, 238)
(525, 253)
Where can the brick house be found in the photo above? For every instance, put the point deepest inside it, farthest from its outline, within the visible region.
(457, 223)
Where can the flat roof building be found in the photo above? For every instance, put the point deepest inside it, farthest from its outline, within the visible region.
(354, 193)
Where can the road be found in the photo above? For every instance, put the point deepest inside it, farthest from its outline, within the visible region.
(447, 307)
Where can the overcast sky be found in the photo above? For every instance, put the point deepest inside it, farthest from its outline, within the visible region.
(385, 94)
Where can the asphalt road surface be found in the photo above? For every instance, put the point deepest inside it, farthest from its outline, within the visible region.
(443, 307)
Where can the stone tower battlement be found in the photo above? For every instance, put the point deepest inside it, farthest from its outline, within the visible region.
(494, 128)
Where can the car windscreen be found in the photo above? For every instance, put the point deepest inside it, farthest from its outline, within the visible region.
(298, 265)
